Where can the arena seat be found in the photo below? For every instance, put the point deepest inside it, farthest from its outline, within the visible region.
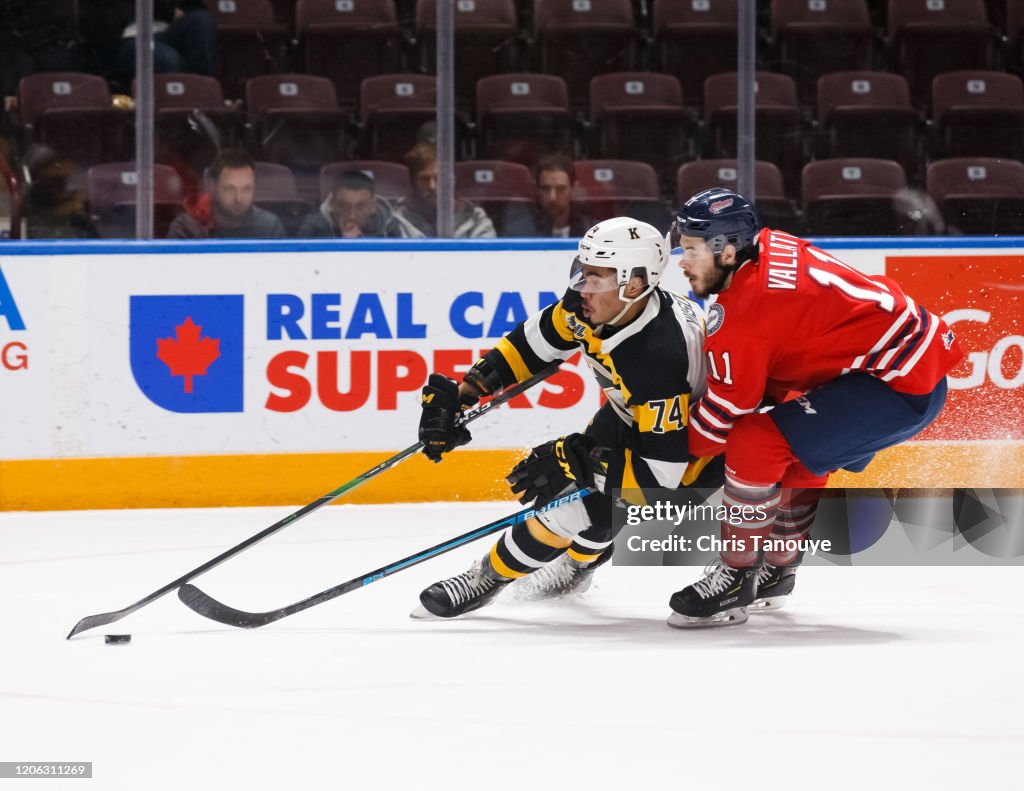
(979, 195)
(72, 113)
(577, 39)
(111, 192)
(393, 109)
(929, 37)
(250, 42)
(868, 114)
(347, 41)
(504, 190)
(816, 37)
(978, 113)
(487, 42)
(640, 116)
(777, 117)
(693, 40)
(607, 188)
(853, 197)
(522, 117)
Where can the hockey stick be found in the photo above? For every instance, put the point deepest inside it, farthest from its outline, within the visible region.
(209, 607)
(92, 621)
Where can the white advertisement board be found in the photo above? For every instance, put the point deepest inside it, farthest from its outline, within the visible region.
(266, 352)
(170, 349)
(27, 408)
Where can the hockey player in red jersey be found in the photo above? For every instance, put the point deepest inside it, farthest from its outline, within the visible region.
(813, 366)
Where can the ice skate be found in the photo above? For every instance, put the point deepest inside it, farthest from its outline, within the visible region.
(563, 576)
(720, 598)
(774, 585)
(462, 593)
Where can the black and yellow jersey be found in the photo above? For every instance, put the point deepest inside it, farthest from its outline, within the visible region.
(650, 370)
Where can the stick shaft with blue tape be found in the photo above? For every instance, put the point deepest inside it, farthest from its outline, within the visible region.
(208, 607)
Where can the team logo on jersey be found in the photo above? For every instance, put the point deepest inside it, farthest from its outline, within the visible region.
(947, 339)
(716, 316)
(577, 329)
(719, 205)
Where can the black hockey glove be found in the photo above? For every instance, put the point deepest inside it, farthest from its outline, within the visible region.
(553, 467)
(442, 406)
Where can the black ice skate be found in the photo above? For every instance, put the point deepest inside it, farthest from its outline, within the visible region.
(563, 576)
(719, 599)
(774, 584)
(462, 593)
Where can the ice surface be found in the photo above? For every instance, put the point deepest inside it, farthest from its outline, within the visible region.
(876, 676)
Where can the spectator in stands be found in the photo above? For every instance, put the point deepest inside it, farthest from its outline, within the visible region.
(184, 37)
(352, 210)
(53, 208)
(417, 213)
(554, 176)
(229, 211)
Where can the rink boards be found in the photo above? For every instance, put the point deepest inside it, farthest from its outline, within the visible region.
(162, 374)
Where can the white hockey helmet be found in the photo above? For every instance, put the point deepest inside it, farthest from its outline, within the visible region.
(629, 247)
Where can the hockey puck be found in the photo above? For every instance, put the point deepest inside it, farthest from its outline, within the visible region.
(114, 639)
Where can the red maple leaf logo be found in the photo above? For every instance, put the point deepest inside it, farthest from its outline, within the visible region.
(189, 355)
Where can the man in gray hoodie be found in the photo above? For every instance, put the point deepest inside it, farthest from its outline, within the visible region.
(352, 210)
(228, 211)
(417, 213)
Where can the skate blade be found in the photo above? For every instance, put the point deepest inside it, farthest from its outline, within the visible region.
(771, 604)
(727, 618)
(421, 613)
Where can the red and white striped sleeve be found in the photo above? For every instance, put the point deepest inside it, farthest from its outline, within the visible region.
(737, 373)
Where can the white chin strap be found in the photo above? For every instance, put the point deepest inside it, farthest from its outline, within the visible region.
(629, 303)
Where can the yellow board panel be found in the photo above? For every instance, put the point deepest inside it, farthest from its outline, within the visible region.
(924, 465)
(293, 479)
(272, 479)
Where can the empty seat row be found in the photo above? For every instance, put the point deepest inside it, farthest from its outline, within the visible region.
(348, 40)
(295, 119)
(870, 197)
(776, 14)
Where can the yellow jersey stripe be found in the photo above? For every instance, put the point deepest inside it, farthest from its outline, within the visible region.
(513, 358)
(560, 323)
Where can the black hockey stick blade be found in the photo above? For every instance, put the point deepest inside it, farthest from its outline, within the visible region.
(92, 621)
(208, 607)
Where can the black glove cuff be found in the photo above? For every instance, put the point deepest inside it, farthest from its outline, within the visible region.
(484, 377)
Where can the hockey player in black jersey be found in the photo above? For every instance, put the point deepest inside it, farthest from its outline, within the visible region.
(645, 347)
